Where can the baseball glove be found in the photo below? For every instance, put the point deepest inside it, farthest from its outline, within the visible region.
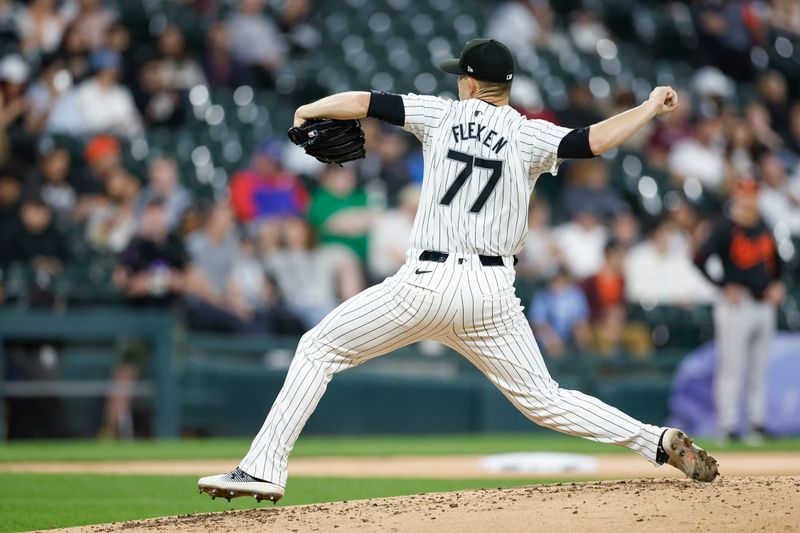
(330, 140)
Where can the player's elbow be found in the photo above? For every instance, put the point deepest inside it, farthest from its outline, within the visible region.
(598, 142)
(361, 101)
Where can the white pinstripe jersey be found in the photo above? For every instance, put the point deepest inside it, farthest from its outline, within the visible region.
(481, 164)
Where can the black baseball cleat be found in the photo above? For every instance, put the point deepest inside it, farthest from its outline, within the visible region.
(678, 450)
(239, 483)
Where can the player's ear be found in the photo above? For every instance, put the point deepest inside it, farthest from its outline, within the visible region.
(473, 86)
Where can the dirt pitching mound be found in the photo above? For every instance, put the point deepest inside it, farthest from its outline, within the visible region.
(727, 505)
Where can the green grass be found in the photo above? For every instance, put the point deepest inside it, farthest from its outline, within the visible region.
(43, 501)
(313, 446)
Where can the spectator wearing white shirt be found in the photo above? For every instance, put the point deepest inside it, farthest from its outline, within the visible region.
(778, 196)
(523, 24)
(586, 30)
(390, 234)
(659, 271)
(99, 104)
(40, 26)
(539, 258)
(581, 243)
(700, 158)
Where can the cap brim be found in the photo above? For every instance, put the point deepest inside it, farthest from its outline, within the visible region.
(451, 66)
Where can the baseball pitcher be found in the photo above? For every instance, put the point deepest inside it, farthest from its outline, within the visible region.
(481, 162)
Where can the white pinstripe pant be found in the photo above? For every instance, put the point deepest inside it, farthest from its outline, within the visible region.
(462, 304)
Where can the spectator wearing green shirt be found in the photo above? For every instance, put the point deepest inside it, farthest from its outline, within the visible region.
(339, 211)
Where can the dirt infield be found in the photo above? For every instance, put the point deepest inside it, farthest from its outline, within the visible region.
(609, 466)
(728, 505)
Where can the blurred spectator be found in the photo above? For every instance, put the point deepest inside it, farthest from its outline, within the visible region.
(103, 156)
(625, 230)
(163, 184)
(40, 26)
(701, 157)
(177, 68)
(296, 22)
(774, 94)
(264, 190)
(395, 172)
(760, 124)
(527, 99)
(582, 110)
(671, 129)
(581, 242)
(93, 20)
(589, 191)
(586, 30)
(112, 224)
(10, 194)
(369, 168)
(118, 39)
(10, 11)
(256, 41)
(99, 104)
(312, 279)
(43, 94)
(152, 269)
(739, 150)
(390, 234)
(14, 106)
(723, 38)
(688, 228)
(214, 252)
(659, 271)
(778, 197)
(74, 53)
(37, 241)
(51, 183)
(339, 210)
(784, 15)
(158, 102)
(559, 316)
(249, 289)
(605, 294)
(524, 24)
(220, 67)
(539, 258)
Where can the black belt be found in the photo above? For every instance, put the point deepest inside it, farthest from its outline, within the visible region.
(441, 257)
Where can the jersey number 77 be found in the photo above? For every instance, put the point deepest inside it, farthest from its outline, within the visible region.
(471, 162)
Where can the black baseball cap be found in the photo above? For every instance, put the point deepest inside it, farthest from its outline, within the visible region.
(483, 59)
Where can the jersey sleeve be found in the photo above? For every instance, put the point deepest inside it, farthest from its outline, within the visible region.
(423, 113)
(540, 141)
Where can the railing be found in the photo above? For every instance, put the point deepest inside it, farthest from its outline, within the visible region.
(156, 328)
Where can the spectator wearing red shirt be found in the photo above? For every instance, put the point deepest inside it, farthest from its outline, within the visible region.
(605, 294)
(265, 190)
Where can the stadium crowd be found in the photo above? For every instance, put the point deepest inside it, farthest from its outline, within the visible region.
(286, 239)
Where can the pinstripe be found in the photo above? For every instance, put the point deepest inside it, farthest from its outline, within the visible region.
(468, 307)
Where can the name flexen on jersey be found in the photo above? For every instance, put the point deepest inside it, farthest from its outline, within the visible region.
(474, 130)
